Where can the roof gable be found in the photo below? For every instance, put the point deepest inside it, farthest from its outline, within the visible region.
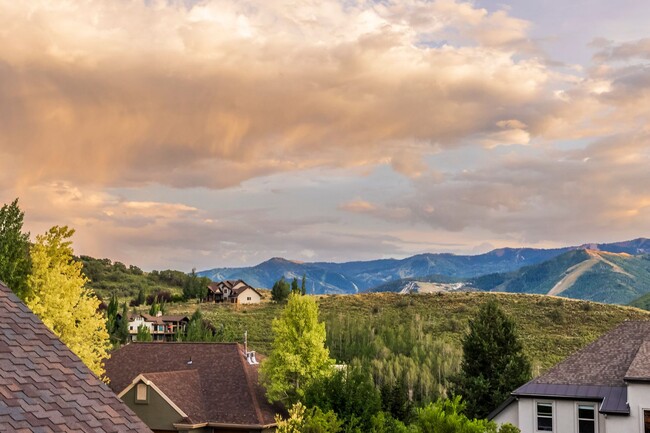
(606, 361)
(197, 376)
(45, 387)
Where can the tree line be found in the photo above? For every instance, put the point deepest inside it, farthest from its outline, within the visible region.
(393, 379)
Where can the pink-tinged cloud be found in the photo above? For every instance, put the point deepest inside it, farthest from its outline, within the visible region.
(210, 95)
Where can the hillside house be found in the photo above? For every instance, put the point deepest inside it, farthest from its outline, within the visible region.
(603, 388)
(197, 387)
(233, 291)
(161, 327)
(44, 387)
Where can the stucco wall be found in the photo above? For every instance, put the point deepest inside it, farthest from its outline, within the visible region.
(249, 293)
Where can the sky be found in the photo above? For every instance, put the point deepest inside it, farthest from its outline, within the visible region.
(201, 134)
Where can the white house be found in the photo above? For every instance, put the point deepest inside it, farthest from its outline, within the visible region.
(603, 388)
(234, 291)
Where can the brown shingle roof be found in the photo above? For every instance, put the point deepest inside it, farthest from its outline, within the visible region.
(228, 390)
(607, 360)
(44, 387)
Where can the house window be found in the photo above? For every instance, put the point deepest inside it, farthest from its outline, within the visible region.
(544, 416)
(587, 418)
(141, 393)
(248, 298)
(646, 421)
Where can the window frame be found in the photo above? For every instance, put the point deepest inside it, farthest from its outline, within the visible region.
(594, 407)
(551, 403)
(643, 410)
(146, 391)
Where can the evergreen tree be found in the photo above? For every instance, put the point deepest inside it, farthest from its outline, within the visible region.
(14, 249)
(122, 333)
(294, 286)
(111, 316)
(139, 300)
(198, 329)
(298, 356)
(57, 294)
(195, 287)
(144, 334)
(493, 362)
(153, 310)
(280, 291)
(303, 286)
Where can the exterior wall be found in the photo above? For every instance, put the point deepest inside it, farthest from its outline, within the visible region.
(565, 417)
(638, 396)
(249, 293)
(509, 415)
(156, 413)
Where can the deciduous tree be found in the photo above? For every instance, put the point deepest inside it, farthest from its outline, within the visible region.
(298, 356)
(56, 293)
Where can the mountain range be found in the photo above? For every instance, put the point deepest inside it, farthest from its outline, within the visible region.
(615, 272)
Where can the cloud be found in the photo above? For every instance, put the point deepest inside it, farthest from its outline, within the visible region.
(219, 92)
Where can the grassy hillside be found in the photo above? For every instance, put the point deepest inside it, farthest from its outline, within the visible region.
(107, 277)
(551, 328)
(600, 276)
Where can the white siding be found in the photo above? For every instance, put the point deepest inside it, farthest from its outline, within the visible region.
(244, 296)
(522, 413)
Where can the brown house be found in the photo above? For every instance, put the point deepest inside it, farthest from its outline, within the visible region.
(233, 291)
(44, 387)
(191, 387)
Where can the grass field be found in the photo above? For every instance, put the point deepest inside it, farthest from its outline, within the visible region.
(550, 328)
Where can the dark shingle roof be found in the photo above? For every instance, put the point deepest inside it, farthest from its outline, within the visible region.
(44, 387)
(606, 361)
(224, 383)
(600, 371)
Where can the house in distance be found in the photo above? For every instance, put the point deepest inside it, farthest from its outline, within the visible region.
(161, 327)
(233, 291)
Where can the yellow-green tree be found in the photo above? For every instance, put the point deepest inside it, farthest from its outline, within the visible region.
(57, 294)
(298, 355)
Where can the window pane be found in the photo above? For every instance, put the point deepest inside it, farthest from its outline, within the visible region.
(646, 419)
(544, 424)
(141, 392)
(586, 426)
(586, 412)
(544, 409)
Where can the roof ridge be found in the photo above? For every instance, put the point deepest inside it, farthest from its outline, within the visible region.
(251, 389)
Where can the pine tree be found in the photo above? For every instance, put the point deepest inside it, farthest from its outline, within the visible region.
(57, 294)
(298, 356)
(294, 286)
(144, 334)
(280, 291)
(122, 333)
(111, 316)
(493, 362)
(139, 300)
(303, 286)
(14, 249)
